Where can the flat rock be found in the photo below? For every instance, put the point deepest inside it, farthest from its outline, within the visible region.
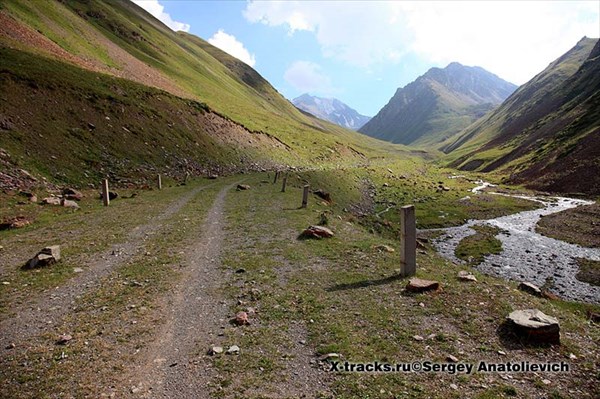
(466, 276)
(64, 339)
(241, 187)
(69, 204)
(530, 288)
(535, 326)
(233, 350)
(420, 285)
(317, 232)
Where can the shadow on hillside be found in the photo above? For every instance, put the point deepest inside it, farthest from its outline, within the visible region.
(365, 283)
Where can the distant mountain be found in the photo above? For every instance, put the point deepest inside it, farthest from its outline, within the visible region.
(332, 110)
(547, 133)
(438, 105)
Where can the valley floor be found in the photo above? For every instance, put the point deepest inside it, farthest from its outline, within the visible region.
(149, 285)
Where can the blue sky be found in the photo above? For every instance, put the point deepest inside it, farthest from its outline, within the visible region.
(362, 51)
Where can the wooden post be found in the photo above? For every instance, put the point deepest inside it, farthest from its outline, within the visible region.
(408, 241)
(283, 184)
(276, 176)
(105, 197)
(159, 182)
(305, 196)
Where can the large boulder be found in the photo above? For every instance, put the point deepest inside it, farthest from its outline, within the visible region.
(46, 257)
(534, 326)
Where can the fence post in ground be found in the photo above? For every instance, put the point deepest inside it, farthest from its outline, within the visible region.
(159, 182)
(105, 197)
(284, 184)
(408, 241)
(305, 196)
(276, 176)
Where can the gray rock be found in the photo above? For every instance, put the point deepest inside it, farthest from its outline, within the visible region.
(466, 276)
(241, 187)
(233, 350)
(530, 288)
(535, 326)
(46, 257)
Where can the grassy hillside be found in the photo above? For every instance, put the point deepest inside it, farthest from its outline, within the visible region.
(66, 58)
(545, 134)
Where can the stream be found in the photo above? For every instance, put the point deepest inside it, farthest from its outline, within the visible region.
(527, 255)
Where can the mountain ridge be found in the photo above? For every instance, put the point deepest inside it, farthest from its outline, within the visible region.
(437, 105)
(332, 110)
(545, 134)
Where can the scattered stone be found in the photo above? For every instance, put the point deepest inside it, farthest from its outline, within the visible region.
(317, 232)
(535, 326)
(64, 339)
(15, 223)
(215, 350)
(10, 346)
(384, 248)
(502, 353)
(72, 194)
(213, 177)
(418, 338)
(452, 359)
(46, 257)
(241, 187)
(466, 276)
(241, 319)
(77, 270)
(420, 285)
(91, 125)
(233, 350)
(530, 288)
(241, 270)
(69, 204)
(546, 382)
(385, 185)
(6, 283)
(572, 356)
(51, 201)
(453, 386)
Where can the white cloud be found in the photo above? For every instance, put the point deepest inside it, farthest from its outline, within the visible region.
(512, 39)
(158, 11)
(308, 77)
(232, 46)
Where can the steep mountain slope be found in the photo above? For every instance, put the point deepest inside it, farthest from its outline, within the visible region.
(547, 133)
(332, 110)
(117, 39)
(437, 105)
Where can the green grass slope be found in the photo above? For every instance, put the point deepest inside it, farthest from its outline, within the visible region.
(545, 134)
(119, 38)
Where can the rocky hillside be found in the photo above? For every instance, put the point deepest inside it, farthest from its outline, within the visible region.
(547, 134)
(438, 105)
(332, 110)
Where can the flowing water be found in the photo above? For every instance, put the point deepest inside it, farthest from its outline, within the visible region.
(527, 255)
